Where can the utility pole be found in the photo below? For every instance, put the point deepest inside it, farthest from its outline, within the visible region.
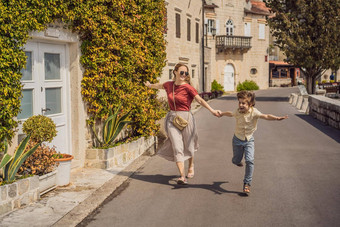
(203, 87)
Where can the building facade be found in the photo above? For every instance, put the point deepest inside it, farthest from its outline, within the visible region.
(237, 41)
(184, 38)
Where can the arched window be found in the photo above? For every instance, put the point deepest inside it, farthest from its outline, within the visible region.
(229, 27)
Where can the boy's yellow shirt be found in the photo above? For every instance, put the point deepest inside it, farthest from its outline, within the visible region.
(246, 123)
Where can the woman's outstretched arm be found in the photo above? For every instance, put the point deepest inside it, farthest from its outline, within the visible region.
(154, 86)
(202, 102)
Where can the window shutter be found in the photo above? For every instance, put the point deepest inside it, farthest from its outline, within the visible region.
(178, 25)
(217, 27)
(261, 31)
(188, 29)
(197, 33)
(247, 29)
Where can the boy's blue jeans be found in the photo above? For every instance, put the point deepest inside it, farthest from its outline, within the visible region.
(247, 148)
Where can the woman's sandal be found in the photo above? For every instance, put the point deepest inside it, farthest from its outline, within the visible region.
(191, 172)
(182, 181)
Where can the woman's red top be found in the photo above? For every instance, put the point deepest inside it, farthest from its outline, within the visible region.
(184, 94)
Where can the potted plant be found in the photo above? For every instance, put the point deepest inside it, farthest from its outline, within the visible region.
(41, 162)
(64, 168)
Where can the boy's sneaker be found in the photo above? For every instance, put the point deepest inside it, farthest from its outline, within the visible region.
(240, 164)
(246, 188)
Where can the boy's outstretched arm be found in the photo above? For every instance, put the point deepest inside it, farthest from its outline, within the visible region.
(227, 113)
(272, 117)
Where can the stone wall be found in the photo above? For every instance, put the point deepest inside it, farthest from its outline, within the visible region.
(300, 102)
(325, 109)
(279, 82)
(18, 194)
(121, 155)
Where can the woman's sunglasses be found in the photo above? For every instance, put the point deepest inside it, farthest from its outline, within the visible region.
(182, 73)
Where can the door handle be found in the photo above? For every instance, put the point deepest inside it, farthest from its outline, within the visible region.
(44, 110)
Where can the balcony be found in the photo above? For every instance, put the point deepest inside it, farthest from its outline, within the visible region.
(233, 43)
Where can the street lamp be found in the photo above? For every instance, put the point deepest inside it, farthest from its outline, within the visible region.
(213, 32)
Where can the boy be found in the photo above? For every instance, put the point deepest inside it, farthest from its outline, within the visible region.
(243, 141)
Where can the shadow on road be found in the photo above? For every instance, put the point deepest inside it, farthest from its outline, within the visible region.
(171, 181)
(326, 129)
(259, 98)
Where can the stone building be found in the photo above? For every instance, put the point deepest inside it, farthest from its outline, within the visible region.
(280, 72)
(237, 41)
(184, 38)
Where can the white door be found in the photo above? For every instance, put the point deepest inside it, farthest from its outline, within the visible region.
(45, 89)
(229, 78)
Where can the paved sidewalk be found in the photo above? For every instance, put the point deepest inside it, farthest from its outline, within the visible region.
(68, 206)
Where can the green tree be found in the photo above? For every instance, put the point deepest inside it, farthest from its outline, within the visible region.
(307, 31)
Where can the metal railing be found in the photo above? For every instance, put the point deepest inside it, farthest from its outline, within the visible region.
(231, 42)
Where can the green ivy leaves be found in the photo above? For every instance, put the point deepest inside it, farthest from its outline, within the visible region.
(122, 46)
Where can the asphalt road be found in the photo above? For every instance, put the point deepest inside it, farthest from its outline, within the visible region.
(296, 179)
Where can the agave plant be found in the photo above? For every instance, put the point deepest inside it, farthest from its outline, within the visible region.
(11, 164)
(111, 127)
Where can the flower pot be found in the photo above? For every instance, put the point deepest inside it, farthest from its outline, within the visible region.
(47, 182)
(64, 170)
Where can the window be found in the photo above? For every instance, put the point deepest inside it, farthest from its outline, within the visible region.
(27, 71)
(170, 74)
(178, 25)
(193, 73)
(247, 29)
(283, 73)
(253, 71)
(26, 104)
(197, 33)
(188, 29)
(210, 26)
(229, 27)
(262, 31)
(52, 66)
(275, 74)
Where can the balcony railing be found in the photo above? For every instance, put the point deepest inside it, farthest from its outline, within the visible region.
(224, 42)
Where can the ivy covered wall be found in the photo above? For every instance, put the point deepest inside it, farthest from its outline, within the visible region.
(122, 47)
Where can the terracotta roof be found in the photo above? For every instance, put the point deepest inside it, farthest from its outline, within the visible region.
(278, 63)
(258, 8)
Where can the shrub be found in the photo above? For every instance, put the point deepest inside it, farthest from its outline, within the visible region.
(10, 164)
(215, 86)
(112, 126)
(247, 85)
(40, 162)
(17, 19)
(41, 128)
(122, 45)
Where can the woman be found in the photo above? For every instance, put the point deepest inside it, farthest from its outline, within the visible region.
(181, 144)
